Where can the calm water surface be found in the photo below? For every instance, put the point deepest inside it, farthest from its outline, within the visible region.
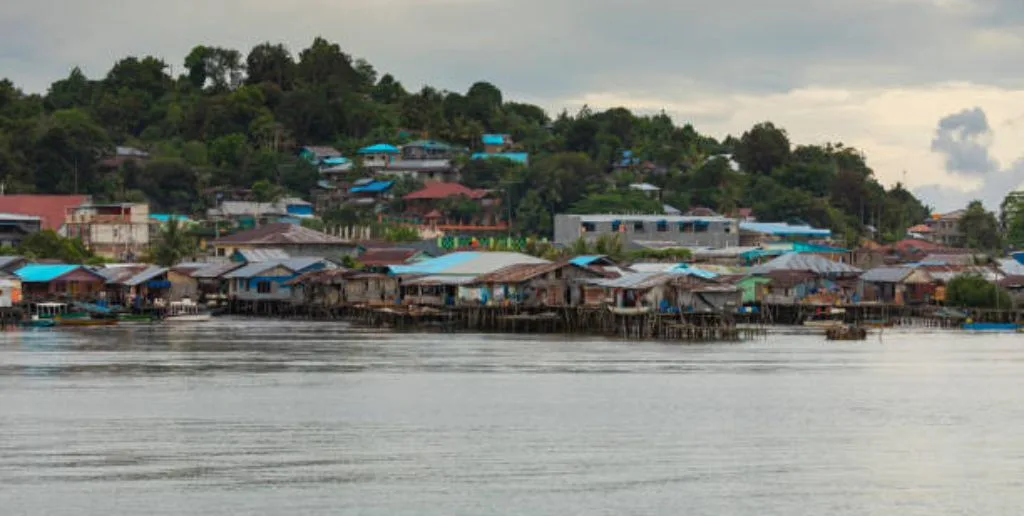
(260, 417)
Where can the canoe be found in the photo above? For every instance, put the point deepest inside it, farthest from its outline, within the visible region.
(84, 321)
(983, 326)
(38, 323)
(638, 310)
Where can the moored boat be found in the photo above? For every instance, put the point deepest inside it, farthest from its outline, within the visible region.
(986, 326)
(78, 320)
(846, 333)
(826, 319)
(186, 311)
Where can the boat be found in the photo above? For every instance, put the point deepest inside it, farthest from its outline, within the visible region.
(635, 310)
(186, 311)
(831, 318)
(44, 315)
(984, 326)
(877, 323)
(78, 320)
(846, 332)
(136, 318)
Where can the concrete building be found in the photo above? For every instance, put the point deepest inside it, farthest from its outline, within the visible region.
(945, 229)
(15, 227)
(118, 231)
(639, 230)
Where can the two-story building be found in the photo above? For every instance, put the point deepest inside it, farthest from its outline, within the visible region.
(293, 239)
(378, 156)
(945, 229)
(639, 230)
(120, 230)
(452, 205)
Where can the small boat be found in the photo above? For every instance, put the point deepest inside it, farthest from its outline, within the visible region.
(827, 319)
(86, 320)
(186, 311)
(36, 322)
(136, 318)
(44, 315)
(634, 310)
(846, 332)
(983, 326)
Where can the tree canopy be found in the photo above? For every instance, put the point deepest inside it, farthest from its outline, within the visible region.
(234, 120)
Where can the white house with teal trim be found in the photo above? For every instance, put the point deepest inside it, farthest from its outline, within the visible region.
(265, 281)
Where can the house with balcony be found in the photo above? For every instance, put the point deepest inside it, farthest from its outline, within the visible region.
(453, 206)
(50, 209)
(377, 156)
(120, 231)
(945, 229)
(15, 227)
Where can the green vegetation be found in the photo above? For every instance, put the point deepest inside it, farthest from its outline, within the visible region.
(235, 120)
(981, 228)
(173, 244)
(973, 291)
(48, 245)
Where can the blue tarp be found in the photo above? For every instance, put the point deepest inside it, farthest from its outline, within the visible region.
(372, 187)
(517, 157)
(435, 265)
(493, 139)
(380, 148)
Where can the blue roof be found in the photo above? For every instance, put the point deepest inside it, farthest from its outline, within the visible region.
(783, 229)
(435, 265)
(372, 187)
(42, 273)
(585, 260)
(340, 160)
(380, 148)
(687, 270)
(493, 139)
(518, 157)
(164, 217)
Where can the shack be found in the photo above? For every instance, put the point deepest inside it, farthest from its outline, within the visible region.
(897, 285)
(545, 284)
(211, 282)
(324, 288)
(41, 282)
(266, 281)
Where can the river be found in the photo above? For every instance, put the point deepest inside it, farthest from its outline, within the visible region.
(263, 417)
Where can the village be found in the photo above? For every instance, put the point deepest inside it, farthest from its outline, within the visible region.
(695, 275)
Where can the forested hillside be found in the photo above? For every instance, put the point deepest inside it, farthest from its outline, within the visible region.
(232, 119)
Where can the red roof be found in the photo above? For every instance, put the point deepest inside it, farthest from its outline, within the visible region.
(444, 191)
(387, 256)
(51, 209)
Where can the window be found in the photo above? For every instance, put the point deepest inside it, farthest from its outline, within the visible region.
(701, 227)
(588, 227)
(662, 226)
(638, 226)
(248, 286)
(263, 287)
(616, 225)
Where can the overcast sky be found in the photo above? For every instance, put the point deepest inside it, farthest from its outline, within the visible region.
(876, 74)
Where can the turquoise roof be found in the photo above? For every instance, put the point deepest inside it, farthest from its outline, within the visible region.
(586, 260)
(783, 229)
(372, 187)
(42, 273)
(339, 160)
(493, 139)
(380, 148)
(435, 265)
(164, 217)
(518, 157)
(686, 269)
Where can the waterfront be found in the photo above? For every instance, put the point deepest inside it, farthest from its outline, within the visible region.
(264, 417)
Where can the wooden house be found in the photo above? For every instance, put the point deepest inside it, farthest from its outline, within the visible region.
(545, 284)
(267, 281)
(60, 281)
(896, 285)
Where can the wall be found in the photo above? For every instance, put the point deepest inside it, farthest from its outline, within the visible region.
(182, 286)
(568, 228)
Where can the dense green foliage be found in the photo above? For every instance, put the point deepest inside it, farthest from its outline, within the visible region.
(980, 228)
(48, 245)
(973, 291)
(235, 121)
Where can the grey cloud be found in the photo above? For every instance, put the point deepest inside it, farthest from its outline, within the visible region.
(959, 137)
(543, 49)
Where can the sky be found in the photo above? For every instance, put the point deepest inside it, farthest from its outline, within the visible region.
(931, 90)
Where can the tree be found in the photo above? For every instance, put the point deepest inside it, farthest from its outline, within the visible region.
(173, 244)
(270, 63)
(980, 228)
(974, 291)
(617, 202)
(47, 244)
(763, 148)
(532, 218)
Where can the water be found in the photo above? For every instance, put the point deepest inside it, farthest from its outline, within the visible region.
(260, 417)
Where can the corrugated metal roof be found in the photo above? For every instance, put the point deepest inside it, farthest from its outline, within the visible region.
(151, 272)
(262, 255)
(280, 233)
(7, 261)
(466, 263)
(216, 270)
(804, 262)
(521, 272)
(515, 157)
(647, 218)
(586, 260)
(440, 280)
(372, 187)
(297, 265)
(886, 274)
(1008, 266)
(636, 280)
(493, 139)
(783, 229)
(42, 273)
(380, 148)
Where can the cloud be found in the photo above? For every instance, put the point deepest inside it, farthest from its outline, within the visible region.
(961, 138)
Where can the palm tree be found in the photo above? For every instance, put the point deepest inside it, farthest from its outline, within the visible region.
(173, 243)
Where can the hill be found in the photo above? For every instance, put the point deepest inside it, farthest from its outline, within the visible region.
(233, 120)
